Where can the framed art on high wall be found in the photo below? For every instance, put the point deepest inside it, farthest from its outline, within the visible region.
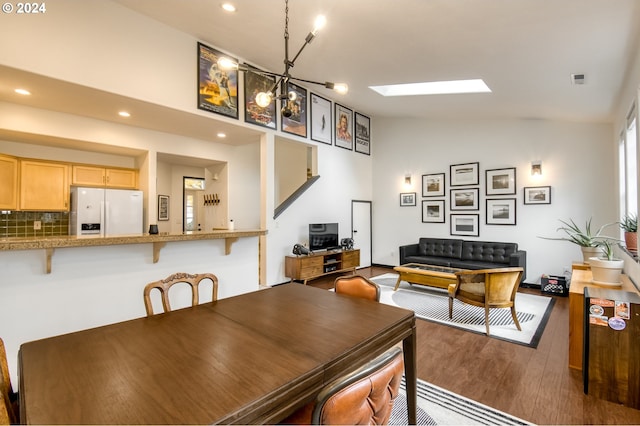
(465, 199)
(217, 88)
(537, 195)
(501, 211)
(464, 174)
(296, 122)
(344, 125)
(321, 128)
(363, 134)
(501, 181)
(465, 224)
(254, 83)
(433, 185)
(432, 211)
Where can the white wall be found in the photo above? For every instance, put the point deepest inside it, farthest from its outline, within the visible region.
(577, 162)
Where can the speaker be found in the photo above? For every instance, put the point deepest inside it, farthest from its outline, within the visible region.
(346, 243)
(299, 249)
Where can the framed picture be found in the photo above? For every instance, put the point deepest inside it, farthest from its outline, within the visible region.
(501, 211)
(163, 207)
(217, 88)
(432, 211)
(464, 174)
(465, 224)
(537, 195)
(363, 134)
(407, 199)
(344, 125)
(501, 181)
(320, 119)
(254, 83)
(433, 185)
(296, 123)
(465, 199)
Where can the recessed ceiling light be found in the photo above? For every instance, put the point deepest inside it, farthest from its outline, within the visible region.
(433, 88)
(228, 7)
(222, 135)
(124, 114)
(22, 92)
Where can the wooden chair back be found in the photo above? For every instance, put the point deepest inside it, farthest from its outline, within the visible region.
(9, 407)
(164, 285)
(358, 286)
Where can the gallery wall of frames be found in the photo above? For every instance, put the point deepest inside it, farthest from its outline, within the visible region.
(463, 197)
(325, 121)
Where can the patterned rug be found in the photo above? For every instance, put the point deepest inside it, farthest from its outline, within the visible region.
(437, 406)
(432, 304)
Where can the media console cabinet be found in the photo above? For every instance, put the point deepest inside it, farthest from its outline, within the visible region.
(307, 267)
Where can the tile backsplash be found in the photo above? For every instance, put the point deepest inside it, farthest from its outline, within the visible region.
(21, 224)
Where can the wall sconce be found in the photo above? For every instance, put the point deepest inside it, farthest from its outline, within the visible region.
(536, 168)
(407, 180)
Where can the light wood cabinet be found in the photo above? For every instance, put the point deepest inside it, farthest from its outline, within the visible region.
(44, 186)
(9, 178)
(104, 177)
(316, 265)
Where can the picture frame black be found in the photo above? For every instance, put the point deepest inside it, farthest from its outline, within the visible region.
(343, 136)
(500, 181)
(464, 174)
(464, 199)
(363, 134)
(163, 207)
(500, 211)
(321, 122)
(537, 194)
(433, 211)
(433, 185)
(296, 123)
(254, 83)
(465, 225)
(217, 88)
(407, 199)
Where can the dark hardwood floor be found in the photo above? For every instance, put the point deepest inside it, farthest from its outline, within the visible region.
(533, 384)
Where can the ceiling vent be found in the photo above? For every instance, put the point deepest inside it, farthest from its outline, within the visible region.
(578, 79)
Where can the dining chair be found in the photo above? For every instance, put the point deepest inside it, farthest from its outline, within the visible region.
(362, 397)
(487, 288)
(358, 286)
(9, 411)
(164, 285)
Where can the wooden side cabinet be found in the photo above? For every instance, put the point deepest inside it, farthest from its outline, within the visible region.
(83, 175)
(305, 268)
(9, 179)
(44, 186)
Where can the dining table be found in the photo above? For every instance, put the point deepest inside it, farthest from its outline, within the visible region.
(249, 359)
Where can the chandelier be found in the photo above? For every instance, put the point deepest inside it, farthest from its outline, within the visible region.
(263, 99)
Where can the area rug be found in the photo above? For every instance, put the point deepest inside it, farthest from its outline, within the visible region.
(432, 304)
(437, 406)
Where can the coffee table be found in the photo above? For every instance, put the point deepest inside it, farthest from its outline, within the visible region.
(428, 275)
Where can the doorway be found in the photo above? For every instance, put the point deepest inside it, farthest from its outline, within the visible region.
(361, 231)
(192, 213)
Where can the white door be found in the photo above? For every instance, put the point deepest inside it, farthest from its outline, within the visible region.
(361, 230)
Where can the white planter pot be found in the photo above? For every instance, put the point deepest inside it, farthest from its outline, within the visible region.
(606, 272)
(589, 252)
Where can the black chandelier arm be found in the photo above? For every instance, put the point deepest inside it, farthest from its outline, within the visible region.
(281, 77)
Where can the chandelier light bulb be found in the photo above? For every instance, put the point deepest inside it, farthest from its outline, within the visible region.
(227, 64)
(263, 99)
(341, 88)
(292, 96)
(319, 24)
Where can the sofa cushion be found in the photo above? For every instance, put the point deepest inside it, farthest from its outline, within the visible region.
(439, 247)
(484, 251)
(428, 260)
(470, 264)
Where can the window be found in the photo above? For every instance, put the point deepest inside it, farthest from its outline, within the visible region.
(631, 165)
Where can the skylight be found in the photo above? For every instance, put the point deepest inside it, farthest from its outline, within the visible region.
(433, 88)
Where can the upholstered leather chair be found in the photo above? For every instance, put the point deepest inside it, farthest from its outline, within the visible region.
(358, 286)
(487, 288)
(164, 285)
(363, 397)
(9, 411)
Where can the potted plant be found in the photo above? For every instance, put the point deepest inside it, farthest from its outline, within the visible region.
(606, 270)
(588, 241)
(629, 225)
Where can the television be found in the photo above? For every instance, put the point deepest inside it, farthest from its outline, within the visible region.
(323, 236)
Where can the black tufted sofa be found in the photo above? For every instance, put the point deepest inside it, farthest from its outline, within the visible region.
(464, 254)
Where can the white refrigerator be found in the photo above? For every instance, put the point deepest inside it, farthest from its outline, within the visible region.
(101, 212)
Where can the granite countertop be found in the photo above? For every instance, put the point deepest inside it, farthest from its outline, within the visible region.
(31, 243)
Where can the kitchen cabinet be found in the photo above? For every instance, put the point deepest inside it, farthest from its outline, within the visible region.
(44, 186)
(83, 175)
(9, 179)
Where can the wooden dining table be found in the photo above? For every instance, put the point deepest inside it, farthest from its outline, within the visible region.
(248, 359)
